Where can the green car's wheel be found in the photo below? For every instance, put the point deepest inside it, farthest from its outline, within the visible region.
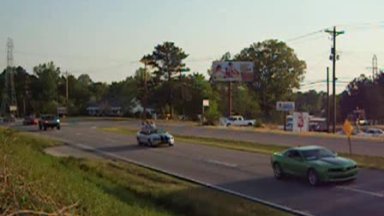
(277, 171)
(313, 177)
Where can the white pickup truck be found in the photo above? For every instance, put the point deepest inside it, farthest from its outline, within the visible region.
(238, 121)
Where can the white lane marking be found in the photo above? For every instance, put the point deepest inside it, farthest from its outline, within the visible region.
(93, 127)
(222, 163)
(375, 194)
(216, 187)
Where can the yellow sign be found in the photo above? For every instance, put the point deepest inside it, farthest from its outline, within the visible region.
(347, 128)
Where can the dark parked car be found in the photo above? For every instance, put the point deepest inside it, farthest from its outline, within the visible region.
(47, 121)
(30, 120)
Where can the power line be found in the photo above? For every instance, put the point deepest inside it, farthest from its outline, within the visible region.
(304, 36)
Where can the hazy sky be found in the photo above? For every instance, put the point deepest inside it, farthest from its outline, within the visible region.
(106, 38)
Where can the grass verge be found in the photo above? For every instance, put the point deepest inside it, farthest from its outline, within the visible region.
(32, 182)
(373, 162)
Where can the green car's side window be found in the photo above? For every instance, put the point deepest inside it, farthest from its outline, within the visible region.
(293, 154)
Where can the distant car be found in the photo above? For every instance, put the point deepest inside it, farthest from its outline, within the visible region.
(30, 120)
(315, 163)
(374, 132)
(238, 120)
(49, 121)
(154, 137)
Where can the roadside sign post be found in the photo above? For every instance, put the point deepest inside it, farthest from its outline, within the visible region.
(350, 144)
(285, 107)
(205, 104)
(348, 129)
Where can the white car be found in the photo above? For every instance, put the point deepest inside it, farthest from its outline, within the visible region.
(154, 137)
(239, 121)
(375, 132)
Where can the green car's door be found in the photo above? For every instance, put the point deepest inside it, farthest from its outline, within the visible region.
(294, 164)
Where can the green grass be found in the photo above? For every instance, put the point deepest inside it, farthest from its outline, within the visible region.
(373, 162)
(39, 182)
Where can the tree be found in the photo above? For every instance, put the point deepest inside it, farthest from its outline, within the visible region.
(191, 90)
(312, 102)
(144, 83)
(123, 93)
(278, 71)
(364, 93)
(22, 82)
(167, 62)
(45, 87)
(98, 90)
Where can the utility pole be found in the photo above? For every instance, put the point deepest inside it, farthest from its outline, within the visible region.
(375, 69)
(9, 101)
(328, 107)
(66, 90)
(146, 91)
(334, 57)
(229, 98)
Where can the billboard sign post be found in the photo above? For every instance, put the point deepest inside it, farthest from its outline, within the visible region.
(232, 71)
(348, 130)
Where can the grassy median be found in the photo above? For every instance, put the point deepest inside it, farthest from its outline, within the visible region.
(33, 183)
(373, 162)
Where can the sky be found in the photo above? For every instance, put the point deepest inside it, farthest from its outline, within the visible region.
(106, 38)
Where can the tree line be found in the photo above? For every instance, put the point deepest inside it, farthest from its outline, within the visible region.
(165, 84)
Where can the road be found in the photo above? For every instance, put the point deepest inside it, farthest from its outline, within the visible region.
(372, 147)
(246, 174)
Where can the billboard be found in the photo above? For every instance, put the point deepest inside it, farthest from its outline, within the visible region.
(232, 71)
(285, 106)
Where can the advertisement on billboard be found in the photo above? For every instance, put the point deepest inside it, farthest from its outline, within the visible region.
(300, 122)
(232, 71)
(285, 106)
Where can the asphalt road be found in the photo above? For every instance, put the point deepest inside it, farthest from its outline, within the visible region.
(244, 173)
(372, 147)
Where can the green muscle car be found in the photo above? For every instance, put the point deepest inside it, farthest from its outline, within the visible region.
(315, 163)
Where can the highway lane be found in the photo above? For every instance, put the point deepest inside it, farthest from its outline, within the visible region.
(245, 173)
(359, 146)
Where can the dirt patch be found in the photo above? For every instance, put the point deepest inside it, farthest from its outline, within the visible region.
(69, 151)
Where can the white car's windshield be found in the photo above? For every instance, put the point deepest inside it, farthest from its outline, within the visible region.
(158, 130)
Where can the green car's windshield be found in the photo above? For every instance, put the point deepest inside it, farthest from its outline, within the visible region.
(315, 154)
